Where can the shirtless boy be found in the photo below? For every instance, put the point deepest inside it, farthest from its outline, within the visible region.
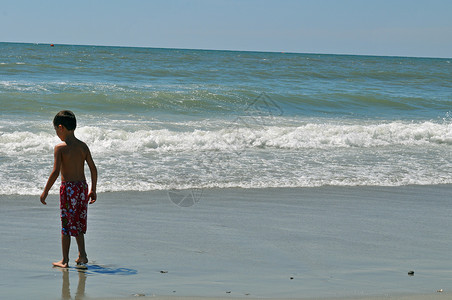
(69, 160)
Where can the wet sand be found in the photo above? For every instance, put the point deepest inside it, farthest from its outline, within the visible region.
(313, 243)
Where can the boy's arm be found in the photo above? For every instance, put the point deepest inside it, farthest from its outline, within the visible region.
(93, 170)
(54, 174)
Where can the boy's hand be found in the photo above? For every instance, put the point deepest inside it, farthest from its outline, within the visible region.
(43, 198)
(93, 197)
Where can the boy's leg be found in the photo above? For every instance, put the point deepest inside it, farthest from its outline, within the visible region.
(65, 245)
(82, 257)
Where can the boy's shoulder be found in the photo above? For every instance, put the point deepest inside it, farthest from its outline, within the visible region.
(60, 146)
(73, 144)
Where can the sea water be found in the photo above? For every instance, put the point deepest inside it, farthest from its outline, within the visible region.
(158, 119)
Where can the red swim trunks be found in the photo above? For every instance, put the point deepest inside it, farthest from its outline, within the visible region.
(74, 207)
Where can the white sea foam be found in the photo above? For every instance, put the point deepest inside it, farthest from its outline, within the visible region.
(136, 156)
(308, 136)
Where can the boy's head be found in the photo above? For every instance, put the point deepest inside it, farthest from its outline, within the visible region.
(65, 118)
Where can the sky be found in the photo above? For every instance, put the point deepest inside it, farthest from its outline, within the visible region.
(419, 28)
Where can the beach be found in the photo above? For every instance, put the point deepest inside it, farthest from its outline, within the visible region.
(300, 243)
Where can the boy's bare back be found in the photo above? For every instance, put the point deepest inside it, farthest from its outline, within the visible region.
(73, 153)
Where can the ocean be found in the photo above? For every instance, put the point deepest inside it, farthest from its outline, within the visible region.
(165, 119)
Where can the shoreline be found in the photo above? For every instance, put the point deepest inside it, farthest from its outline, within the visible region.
(322, 188)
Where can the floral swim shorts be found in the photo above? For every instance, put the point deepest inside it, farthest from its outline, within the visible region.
(74, 207)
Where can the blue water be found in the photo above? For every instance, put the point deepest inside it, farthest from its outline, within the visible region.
(167, 118)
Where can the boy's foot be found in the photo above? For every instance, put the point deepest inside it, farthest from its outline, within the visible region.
(81, 260)
(60, 264)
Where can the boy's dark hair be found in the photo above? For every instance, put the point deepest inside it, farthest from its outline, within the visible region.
(65, 118)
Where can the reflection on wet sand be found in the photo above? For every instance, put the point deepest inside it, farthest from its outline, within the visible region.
(66, 290)
(83, 274)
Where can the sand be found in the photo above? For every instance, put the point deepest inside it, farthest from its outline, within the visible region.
(285, 243)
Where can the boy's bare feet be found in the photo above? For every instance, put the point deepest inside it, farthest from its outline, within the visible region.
(60, 264)
(81, 260)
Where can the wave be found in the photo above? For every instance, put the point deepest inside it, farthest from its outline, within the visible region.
(140, 156)
(243, 133)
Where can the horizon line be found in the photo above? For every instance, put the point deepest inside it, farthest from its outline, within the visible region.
(226, 50)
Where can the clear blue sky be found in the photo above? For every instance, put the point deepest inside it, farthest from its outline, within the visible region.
(375, 27)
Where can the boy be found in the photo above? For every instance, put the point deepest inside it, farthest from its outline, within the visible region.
(69, 159)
